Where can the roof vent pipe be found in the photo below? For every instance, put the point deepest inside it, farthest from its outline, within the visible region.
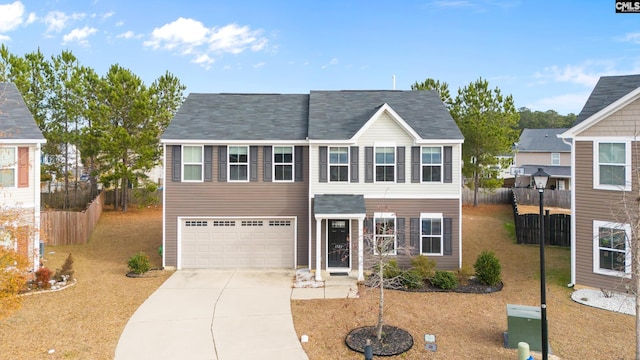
(394, 81)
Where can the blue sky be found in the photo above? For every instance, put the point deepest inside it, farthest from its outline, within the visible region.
(547, 54)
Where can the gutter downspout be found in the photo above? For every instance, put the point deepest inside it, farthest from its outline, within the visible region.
(573, 210)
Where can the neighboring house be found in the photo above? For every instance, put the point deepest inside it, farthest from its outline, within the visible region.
(288, 181)
(20, 143)
(541, 148)
(603, 140)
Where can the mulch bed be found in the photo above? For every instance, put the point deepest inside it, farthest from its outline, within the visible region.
(394, 340)
(471, 286)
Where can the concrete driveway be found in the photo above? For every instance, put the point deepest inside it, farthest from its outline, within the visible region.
(215, 315)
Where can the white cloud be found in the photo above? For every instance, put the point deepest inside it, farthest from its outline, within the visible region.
(190, 37)
(129, 35)
(57, 20)
(31, 18)
(631, 37)
(563, 104)
(452, 4)
(259, 65)
(4, 38)
(120, 23)
(107, 15)
(333, 61)
(11, 16)
(79, 35)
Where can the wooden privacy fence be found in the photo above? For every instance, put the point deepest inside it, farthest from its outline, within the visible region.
(70, 227)
(552, 198)
(487, 196)
(557, 227)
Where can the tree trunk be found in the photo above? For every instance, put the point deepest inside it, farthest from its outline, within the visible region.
(476, 183)
(381, 302)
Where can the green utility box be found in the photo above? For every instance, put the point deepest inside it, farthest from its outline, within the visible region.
(524, 325)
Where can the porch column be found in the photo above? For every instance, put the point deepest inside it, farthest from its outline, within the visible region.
(318, 249)
(360, 249)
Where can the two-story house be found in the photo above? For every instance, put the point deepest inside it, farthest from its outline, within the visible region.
(541, 148)
(20, 144)
(604, 169)
(303, 180)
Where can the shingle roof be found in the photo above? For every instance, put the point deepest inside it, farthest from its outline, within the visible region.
(16, 121)
(240, 117)
(607, 91)
(321, 115)
(542, 140)
(339, 204)
(553, 170)
(348, 111)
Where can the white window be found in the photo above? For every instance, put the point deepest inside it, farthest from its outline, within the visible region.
(385, 158)
(192, 163)
(8, 166)
(555, 158)
(431, 234)
(238, 163)
(612, 165)
(431, 164)
(611, 251)
(283, 163)
(338, 164)
(384, 241)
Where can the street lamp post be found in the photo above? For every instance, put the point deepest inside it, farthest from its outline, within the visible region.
(540, 178)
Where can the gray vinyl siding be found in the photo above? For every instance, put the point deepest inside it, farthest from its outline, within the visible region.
(591, 204)
(406, 209)
(216, 198)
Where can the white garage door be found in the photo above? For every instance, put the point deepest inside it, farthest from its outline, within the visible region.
(237, 243)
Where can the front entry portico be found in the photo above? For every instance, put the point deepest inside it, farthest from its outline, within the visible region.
(338, 211)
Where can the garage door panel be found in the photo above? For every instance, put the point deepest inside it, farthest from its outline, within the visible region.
(238, 243)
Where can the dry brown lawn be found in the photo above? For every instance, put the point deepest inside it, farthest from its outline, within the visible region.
(85, 321)
(471, 326)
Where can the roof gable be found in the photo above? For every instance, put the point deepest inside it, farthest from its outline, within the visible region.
(16, 121)
(542, 140)
(385, 108)
(610, 94)
(349, 111)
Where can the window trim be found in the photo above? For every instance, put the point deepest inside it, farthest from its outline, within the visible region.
(385, 215)
(13, 166)
(555, 158)
(627, 165)
(597, 224)
(440, 217)
(422, 165)
(184, 163)
(274, 164)
(246, 164)
(375, 162)
(330, 164)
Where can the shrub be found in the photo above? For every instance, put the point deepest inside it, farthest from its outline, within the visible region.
(444, 280)
(424, 266)
(390, 270)
(487, 268)
(13, 280)
(66, 270)
(412, 279)
(139, 263)
(43, 275)
(464, 273)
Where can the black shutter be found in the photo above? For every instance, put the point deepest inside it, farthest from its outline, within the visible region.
(176, 162)
(368, 164)
(415, 164)
(298, 168)
(448, 164)
(208, 163)
(323, 163)
(253, 163)
(354, 164)
(400, 164)
(415, 235)
(222, 163)
(446, 227)
(266, 154)
(400, 233)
